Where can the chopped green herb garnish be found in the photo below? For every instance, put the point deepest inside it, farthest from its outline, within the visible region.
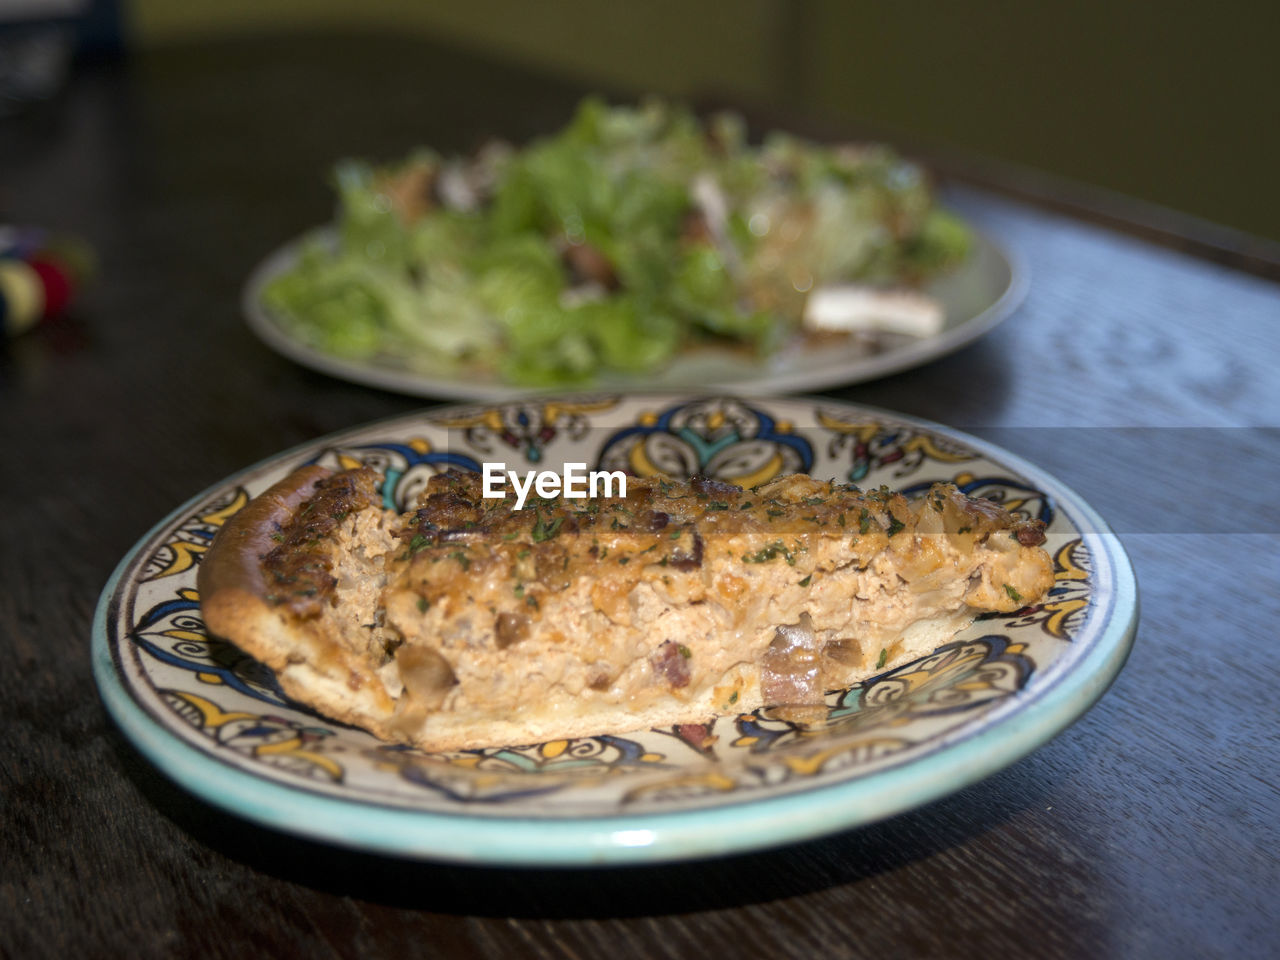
(717, 505)
(545, 531)
(531, 601)
(522, 554)
(805, 582)
(684, 651)
(884, 656)
(770, 552)
(733, 697)
(864, 520)
(277, 537)
(895, 525)
(840, 519)
(675, 535)
(745, 505)
(964, 529)
(418, 543)
(1014, 595)
(510, 536)
(423, 605)
(462, 559)
(624, 559)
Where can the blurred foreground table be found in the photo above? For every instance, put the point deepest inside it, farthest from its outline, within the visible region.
(1142, 376)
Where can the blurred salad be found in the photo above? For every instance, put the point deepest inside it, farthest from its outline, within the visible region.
(633, 233)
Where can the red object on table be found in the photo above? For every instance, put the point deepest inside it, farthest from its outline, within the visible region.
(55, 279)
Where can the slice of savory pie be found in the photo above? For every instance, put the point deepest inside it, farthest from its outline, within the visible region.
(467, 623)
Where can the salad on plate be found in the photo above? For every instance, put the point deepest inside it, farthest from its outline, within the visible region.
(633, 234)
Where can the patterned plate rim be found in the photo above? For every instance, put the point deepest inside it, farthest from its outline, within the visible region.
(1069, 687)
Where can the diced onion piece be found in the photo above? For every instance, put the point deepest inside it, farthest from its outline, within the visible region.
(790, 672)
(509, 629)
(456, 190)
(426, 675)
(710, 199)
(846, 308)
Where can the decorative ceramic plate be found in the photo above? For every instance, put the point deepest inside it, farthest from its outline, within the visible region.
(975, 298)
(216, 721)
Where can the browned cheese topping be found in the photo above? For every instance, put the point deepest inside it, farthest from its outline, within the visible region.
(297, 570)
(664, 530)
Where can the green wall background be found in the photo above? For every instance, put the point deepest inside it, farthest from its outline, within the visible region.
(1173, 103)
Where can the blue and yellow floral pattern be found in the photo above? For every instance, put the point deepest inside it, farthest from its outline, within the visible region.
(180, 552)
(173, 633)
(871, 442)
(281, 742)
(718, 437)
(524, 428)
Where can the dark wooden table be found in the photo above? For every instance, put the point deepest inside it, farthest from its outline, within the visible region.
(1145, 378)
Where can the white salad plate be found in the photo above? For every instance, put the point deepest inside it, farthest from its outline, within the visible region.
(975, 297)
(216, 722)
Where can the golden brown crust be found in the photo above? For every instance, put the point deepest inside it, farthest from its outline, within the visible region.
(234, 560)
(298, 571)
(238, 603)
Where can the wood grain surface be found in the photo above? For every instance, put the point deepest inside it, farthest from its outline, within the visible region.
(1141, 377)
